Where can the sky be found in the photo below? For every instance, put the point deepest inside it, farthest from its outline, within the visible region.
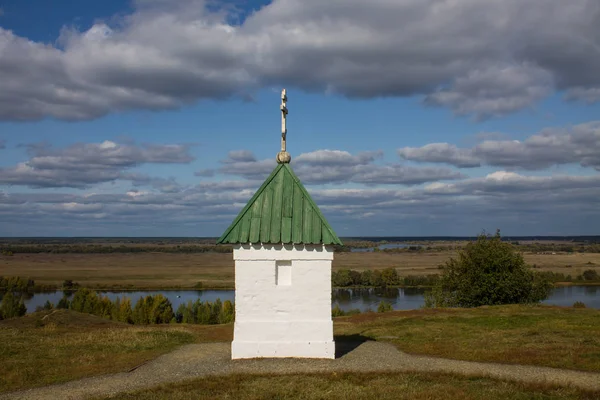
(406, 117)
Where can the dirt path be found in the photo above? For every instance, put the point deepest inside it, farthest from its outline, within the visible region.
(214, 358)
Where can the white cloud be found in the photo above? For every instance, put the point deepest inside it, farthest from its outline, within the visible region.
(83, 164)
(479, 58)
(516, 203)
(578, 144)
(494, 90)
(337, 167)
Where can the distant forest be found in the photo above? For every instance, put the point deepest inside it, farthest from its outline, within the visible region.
(89, 245)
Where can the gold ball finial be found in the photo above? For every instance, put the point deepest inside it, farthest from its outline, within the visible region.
(283, 157)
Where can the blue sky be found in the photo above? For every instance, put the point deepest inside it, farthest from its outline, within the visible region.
(406, 118)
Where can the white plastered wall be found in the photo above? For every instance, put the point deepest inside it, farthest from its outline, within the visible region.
(285, 315)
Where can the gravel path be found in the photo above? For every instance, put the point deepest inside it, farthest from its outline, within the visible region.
(214, 358)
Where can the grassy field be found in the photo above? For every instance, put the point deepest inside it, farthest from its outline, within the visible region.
(66, 345)
(355, 386)
(215, 270)
(534, 335)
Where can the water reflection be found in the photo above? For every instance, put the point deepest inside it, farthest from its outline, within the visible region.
(369, 298)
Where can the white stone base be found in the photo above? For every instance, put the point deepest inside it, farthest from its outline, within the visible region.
(282, 349)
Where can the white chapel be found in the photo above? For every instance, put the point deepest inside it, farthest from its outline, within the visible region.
(283, 249)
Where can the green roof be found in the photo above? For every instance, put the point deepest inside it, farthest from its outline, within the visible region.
(281, 211)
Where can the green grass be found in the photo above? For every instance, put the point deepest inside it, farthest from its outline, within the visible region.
(534, 335)
(413, 386)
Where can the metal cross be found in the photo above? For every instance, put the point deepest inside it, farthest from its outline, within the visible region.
(284, 112)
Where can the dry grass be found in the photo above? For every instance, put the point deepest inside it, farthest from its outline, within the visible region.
(67, 345)
(215, 270)
(129, 270)
(353, 386)
(534, 335)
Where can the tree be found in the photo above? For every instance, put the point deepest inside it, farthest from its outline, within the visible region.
(341, 278)
(140, 315)
(161, 311)
(487, 272)
(125, 312)
(590, 275)
(389, 277)
(12, 306)
(63, 302)
(228, 314)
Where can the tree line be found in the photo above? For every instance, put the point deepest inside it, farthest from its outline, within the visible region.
(10, 249)
(387, 277)
(152, 309)
(22, 285)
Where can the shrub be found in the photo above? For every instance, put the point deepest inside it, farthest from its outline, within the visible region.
(337, 311)
(365, 277)
(70, 285)
(12, 306)
(578, 304)
(161, 311)
(355, 278)
(384, 306)
(487, 272)
(376, 279)
(590, 275)
(228, 313)
(341, 278)
(63, 302)
(16, 284)
(125, 313)
(84, 301)
(389, 277)
(48, 305)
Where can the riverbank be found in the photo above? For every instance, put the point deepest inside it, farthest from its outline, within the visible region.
(174, 271)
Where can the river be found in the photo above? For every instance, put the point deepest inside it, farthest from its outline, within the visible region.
(347, 299)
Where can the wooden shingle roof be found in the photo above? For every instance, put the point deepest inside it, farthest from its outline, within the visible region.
(281, 211)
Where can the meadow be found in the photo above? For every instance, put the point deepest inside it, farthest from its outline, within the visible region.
(57, 346)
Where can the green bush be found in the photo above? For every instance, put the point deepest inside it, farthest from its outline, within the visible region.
(12, 306)
(16, 284)
(389, 277)
(70, 285)
(125, 313)
(590, 275)
(578, 304)
(84, 301)
(205, 312)
(341, 278)
(337, 311)
(63, 302)
(487, 272)
(384, 306)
